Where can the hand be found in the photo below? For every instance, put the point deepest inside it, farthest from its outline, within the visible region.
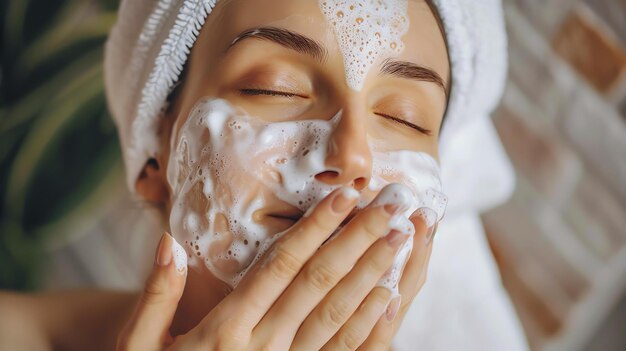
(296, 296)
(413, 278)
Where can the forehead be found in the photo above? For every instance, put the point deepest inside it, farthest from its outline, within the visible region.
(424, 43)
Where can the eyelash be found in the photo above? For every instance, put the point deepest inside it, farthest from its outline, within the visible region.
(253, 92)
(406, 123)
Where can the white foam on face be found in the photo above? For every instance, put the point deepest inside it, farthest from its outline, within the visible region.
(225, 166)
(366, 30)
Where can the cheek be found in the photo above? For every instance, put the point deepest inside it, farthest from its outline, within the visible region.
(384, 140)
(425, 144)
(431, 147)
(228, 169)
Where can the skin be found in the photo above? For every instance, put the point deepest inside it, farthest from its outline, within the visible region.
(200, 310)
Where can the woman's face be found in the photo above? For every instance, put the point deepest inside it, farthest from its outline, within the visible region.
(313, 80)
(285, 61)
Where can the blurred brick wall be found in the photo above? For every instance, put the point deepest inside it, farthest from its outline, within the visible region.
(561, 240)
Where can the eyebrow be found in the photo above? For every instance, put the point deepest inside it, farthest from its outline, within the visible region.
(410, 70)
(286, 38)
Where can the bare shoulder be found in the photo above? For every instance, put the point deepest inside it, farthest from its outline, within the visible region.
(69, 320)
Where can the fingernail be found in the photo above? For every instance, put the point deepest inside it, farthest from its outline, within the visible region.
(392, 308)
(180, 257)
(396, 238)
(428, 215)
(392, 209)
(164, 251)
(394, 198)
(344, 199)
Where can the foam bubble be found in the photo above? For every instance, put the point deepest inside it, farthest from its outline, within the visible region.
(366, 30)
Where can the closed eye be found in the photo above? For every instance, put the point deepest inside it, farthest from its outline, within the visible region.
(406, 123)
(252, 92)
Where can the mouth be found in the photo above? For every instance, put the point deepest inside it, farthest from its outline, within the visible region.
(289, 218)
(295, 215)
(283, 213)
(285, 216)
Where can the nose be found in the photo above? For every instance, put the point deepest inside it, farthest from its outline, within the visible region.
(349, 159)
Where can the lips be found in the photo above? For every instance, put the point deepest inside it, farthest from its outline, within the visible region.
(282, 211)
(285, 217)
(292, 213)
(289, 217)
(295, 216)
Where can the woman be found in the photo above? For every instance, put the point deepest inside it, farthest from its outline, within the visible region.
(375, 79)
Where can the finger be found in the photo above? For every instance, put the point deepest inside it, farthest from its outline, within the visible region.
(413, 278)
(412, 288)
(415, 271)
(337, 307)
(356, 330)
(385, 329)
(148, 328)
(265, 282)
(335, 259)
